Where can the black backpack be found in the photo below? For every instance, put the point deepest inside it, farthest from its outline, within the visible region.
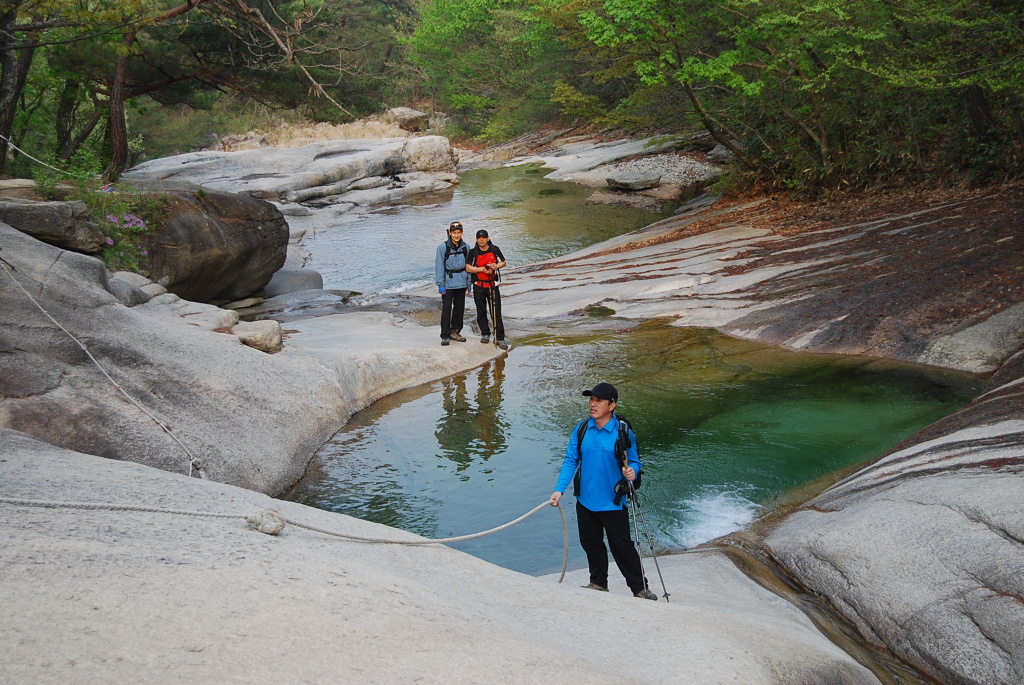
(622, 444)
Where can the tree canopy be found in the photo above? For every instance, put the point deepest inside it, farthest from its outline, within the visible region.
(808, 95)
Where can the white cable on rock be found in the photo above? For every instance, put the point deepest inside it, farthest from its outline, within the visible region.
(271, 522)
(192, 462)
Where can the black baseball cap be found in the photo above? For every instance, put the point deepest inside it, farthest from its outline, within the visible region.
(482, 234)
(455, 225)
(603, 391)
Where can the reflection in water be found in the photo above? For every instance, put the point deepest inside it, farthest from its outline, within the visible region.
(723, 427)
(472, 430)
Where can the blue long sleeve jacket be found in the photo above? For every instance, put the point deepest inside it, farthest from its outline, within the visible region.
(599, 467)
(456, 275)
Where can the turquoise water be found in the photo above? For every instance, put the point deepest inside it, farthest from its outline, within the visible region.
(724, 427)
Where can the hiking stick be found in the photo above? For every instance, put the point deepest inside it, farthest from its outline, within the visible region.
(635, 501)
(492, 296)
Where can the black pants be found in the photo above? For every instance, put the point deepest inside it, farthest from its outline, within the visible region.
(593, 525)
(482, 298)
(453, 307)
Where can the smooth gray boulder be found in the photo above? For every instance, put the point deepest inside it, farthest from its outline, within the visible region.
(288, 280)
(633, 181)
(213, 245)
(64, 224)
(408, 118)
(190, 379)
(923, 551)
(317, 170)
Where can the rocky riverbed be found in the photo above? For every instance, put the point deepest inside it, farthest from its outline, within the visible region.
(918, 555)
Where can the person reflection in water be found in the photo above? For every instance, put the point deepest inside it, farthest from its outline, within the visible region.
(473, 428)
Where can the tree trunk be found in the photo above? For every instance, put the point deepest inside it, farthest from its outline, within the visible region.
(14, 66)
(118, 125)
(713, 128)
(979, 111)
(67, 104)
(75, 143)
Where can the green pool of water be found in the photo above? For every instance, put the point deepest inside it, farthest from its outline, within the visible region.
(724, 426)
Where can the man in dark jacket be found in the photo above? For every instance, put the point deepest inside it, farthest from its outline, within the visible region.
(484, 261)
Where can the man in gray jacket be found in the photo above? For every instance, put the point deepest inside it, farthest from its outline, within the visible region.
(452, 281)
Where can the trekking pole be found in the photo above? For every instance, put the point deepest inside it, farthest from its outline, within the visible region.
(492, 299)
(636, 534)
(635, 501)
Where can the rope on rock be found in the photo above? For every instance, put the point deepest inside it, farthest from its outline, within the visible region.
(272, 522)
(193, 463)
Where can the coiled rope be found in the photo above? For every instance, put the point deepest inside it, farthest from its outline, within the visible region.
(271, 522)
(193, 463)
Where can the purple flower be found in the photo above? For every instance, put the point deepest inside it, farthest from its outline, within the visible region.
(110, 241)
(144, 253)
(112, 219)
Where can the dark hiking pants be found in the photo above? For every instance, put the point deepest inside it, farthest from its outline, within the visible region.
(593, 526)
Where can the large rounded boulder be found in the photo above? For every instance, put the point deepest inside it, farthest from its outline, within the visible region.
(214, 245)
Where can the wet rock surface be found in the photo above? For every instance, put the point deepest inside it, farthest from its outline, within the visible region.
(904, 278)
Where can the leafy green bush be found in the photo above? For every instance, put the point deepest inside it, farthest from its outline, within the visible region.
(123, 214)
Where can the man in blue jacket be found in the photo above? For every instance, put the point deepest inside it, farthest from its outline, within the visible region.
(597, 511)
(452, 280)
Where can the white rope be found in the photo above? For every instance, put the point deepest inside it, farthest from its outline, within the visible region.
(270, 521)
(192, 462)
(10, 144)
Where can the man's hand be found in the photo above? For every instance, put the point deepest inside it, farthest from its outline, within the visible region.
(555, 498)
(440, 290)
(628, 472)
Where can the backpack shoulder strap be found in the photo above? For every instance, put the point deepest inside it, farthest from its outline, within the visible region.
(580, 431)
(448, 252)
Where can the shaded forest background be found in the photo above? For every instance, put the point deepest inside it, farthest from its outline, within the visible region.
(810, 95)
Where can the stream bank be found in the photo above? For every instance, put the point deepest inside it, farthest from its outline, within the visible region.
(179, 603)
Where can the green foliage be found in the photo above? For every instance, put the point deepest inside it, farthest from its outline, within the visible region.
(493, 64)
(831, 93)
(123, 214)
(576, 103)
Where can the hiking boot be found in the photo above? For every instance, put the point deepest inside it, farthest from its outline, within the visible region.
(595, 586)
(485, 339)
(646, 594)
(502, 344)
(444, 341)
(456, 337)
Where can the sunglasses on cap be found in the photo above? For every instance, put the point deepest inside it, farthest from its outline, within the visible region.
(455, 226)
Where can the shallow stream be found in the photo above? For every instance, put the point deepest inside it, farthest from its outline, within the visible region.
(725, 426)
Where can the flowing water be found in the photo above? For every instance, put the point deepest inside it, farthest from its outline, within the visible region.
(528, 217)
(724, 425)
